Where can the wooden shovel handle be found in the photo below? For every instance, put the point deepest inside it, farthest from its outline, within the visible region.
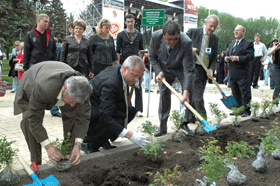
(205, 68)
(185, 103)
(25, 166)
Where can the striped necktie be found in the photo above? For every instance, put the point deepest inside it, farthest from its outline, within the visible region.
(235, 46)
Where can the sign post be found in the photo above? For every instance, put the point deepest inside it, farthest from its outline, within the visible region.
(152, 17)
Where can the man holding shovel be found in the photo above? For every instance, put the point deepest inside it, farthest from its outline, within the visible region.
(239, 54)
(171, 55)
(205, 44)
(43, 86)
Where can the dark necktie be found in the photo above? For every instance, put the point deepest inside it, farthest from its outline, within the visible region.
(169, 50)
(235, 46)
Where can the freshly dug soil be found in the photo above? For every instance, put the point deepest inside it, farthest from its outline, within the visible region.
(130, 167)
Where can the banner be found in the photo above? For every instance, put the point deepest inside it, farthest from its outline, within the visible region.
(190, 15)
(113, 10)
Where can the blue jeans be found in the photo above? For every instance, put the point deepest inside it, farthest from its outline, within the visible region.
(147, 80)
(15, 84)
(266, 74)
(227, 80)
(54, 110)
(275, 75)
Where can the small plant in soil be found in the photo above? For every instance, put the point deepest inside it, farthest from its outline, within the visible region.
(236, 112)
(177, 119)
(8, 176)
(64, 147)
(152, 149)
(149, 128)
(264, 105)
(213, 160)
(238, 150)
(271, 142)
(219, 115)
(168, 178)
(255, 107)
(274, 103)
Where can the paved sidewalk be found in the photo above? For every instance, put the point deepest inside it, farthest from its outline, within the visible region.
(10, 124)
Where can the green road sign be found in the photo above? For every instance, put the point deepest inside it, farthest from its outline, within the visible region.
(153, 17)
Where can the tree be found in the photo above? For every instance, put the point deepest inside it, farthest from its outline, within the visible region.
(57, 19)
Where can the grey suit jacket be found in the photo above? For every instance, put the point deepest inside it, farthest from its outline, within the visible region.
(180, 59)
(195, 35)
(38, 91)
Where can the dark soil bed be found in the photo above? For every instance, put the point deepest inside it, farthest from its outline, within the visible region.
(130, 167)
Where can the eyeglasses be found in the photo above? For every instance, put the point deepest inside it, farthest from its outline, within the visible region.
(172, 39)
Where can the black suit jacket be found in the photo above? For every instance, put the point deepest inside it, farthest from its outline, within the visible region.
(195, 35)
(245, 52)
(108, 101)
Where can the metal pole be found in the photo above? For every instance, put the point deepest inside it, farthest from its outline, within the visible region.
(150, 77)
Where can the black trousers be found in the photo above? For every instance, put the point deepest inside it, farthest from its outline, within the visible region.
(255, 71)
(241, 91)
(139, 97)
(97, 134)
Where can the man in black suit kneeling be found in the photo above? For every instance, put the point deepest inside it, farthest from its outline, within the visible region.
(110, 113)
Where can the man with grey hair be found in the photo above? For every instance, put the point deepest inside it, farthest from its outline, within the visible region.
(238, 55)
(43, 86)
(171, 55)
(205, 44)
(110, 113)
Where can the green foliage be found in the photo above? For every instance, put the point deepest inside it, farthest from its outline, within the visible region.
(271, 142)
(63, 146)
(177, 119)
(151, 149)
(239, 149)
(265, 104)
(213, 164)
(6, 151)
(167, 178)
(237, 110)
(274, 102)
(149, 128)
(255, 107)
(219, 115)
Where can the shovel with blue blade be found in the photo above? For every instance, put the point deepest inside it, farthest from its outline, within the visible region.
(206, 127)
(49, 181)
(228, 101)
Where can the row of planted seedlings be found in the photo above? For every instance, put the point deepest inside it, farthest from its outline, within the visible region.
(216, 163)
(8, 156)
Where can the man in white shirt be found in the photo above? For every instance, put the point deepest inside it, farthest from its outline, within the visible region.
(259, 56)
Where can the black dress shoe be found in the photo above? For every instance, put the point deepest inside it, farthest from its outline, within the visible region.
(107, 146)
(245, 114)
(159, 133)
(57, 114)
(256, 86)
(88, 149)
(186, 128)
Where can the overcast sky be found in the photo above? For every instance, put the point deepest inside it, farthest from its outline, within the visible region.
(238, 8)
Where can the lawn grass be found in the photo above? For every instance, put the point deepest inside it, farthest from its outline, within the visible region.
(5, 70)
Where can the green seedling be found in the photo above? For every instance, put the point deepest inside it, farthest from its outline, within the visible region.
(236, 112)
(168, 178)
(255, 107)
(219, 115)
(272, 140)
(63, 145)
(152, 149)
(238, 150)
(149, 128)
(177, 119)
(264, 105)
(212, 161)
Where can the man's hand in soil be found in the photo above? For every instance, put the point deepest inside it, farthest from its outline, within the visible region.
(75, 155)
(53, 154)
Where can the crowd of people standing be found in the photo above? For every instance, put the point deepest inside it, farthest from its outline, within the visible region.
(89, 80)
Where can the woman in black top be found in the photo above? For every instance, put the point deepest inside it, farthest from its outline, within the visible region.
(103, 47)
(76, 50)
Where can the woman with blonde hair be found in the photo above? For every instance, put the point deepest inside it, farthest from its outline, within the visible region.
(76, 50)
(103, 47)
